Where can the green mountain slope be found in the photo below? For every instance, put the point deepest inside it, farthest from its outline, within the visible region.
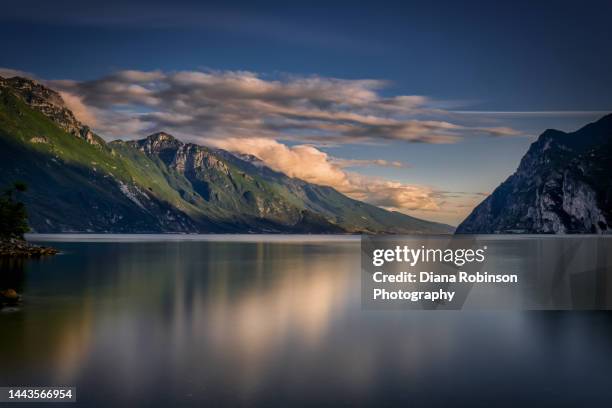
(80, 183)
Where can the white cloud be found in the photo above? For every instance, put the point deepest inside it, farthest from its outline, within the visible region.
(303, 161)
(315, 166)
(83, 113)
(344, 163)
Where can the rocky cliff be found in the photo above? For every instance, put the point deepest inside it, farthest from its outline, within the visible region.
(562, 185)
(50, 103)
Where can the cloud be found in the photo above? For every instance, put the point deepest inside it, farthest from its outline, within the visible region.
(344, 163)
(303, 161)
(246, 21)
(9, 73)
(392, 195)
(242, 104)
(80, 110)
(521, 114)
(315, 166)
(498, 131)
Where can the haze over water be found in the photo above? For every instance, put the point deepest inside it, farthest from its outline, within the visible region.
(274, 319)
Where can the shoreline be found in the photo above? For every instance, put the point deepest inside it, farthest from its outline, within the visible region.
(20, 248)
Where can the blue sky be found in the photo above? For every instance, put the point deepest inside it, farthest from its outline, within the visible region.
(526, 66)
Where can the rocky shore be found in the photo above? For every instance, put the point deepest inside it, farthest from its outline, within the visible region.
(19, 248)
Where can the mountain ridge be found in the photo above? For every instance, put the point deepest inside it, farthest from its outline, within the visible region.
(159, 183)
(562, 185)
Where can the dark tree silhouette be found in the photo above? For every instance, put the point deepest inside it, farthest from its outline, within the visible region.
(13, 216)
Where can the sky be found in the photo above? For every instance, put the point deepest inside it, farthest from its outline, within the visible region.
(418, 106)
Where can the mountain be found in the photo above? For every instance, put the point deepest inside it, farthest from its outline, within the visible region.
(562, 185)
(80, 183)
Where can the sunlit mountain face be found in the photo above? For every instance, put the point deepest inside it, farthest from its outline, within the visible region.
(160, 184)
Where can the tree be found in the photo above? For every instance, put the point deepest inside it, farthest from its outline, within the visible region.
(13, 215)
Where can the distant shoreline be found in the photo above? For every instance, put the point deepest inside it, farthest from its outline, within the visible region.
(173, 237)
(287, 238)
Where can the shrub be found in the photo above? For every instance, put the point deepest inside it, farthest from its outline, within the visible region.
(13, 215)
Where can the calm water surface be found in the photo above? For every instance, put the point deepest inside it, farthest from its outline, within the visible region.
(159, 320)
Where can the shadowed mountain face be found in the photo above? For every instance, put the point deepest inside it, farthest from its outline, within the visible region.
(562, 185)
(79, 183)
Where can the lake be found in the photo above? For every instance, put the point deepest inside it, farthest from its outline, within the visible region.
(274, 320)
